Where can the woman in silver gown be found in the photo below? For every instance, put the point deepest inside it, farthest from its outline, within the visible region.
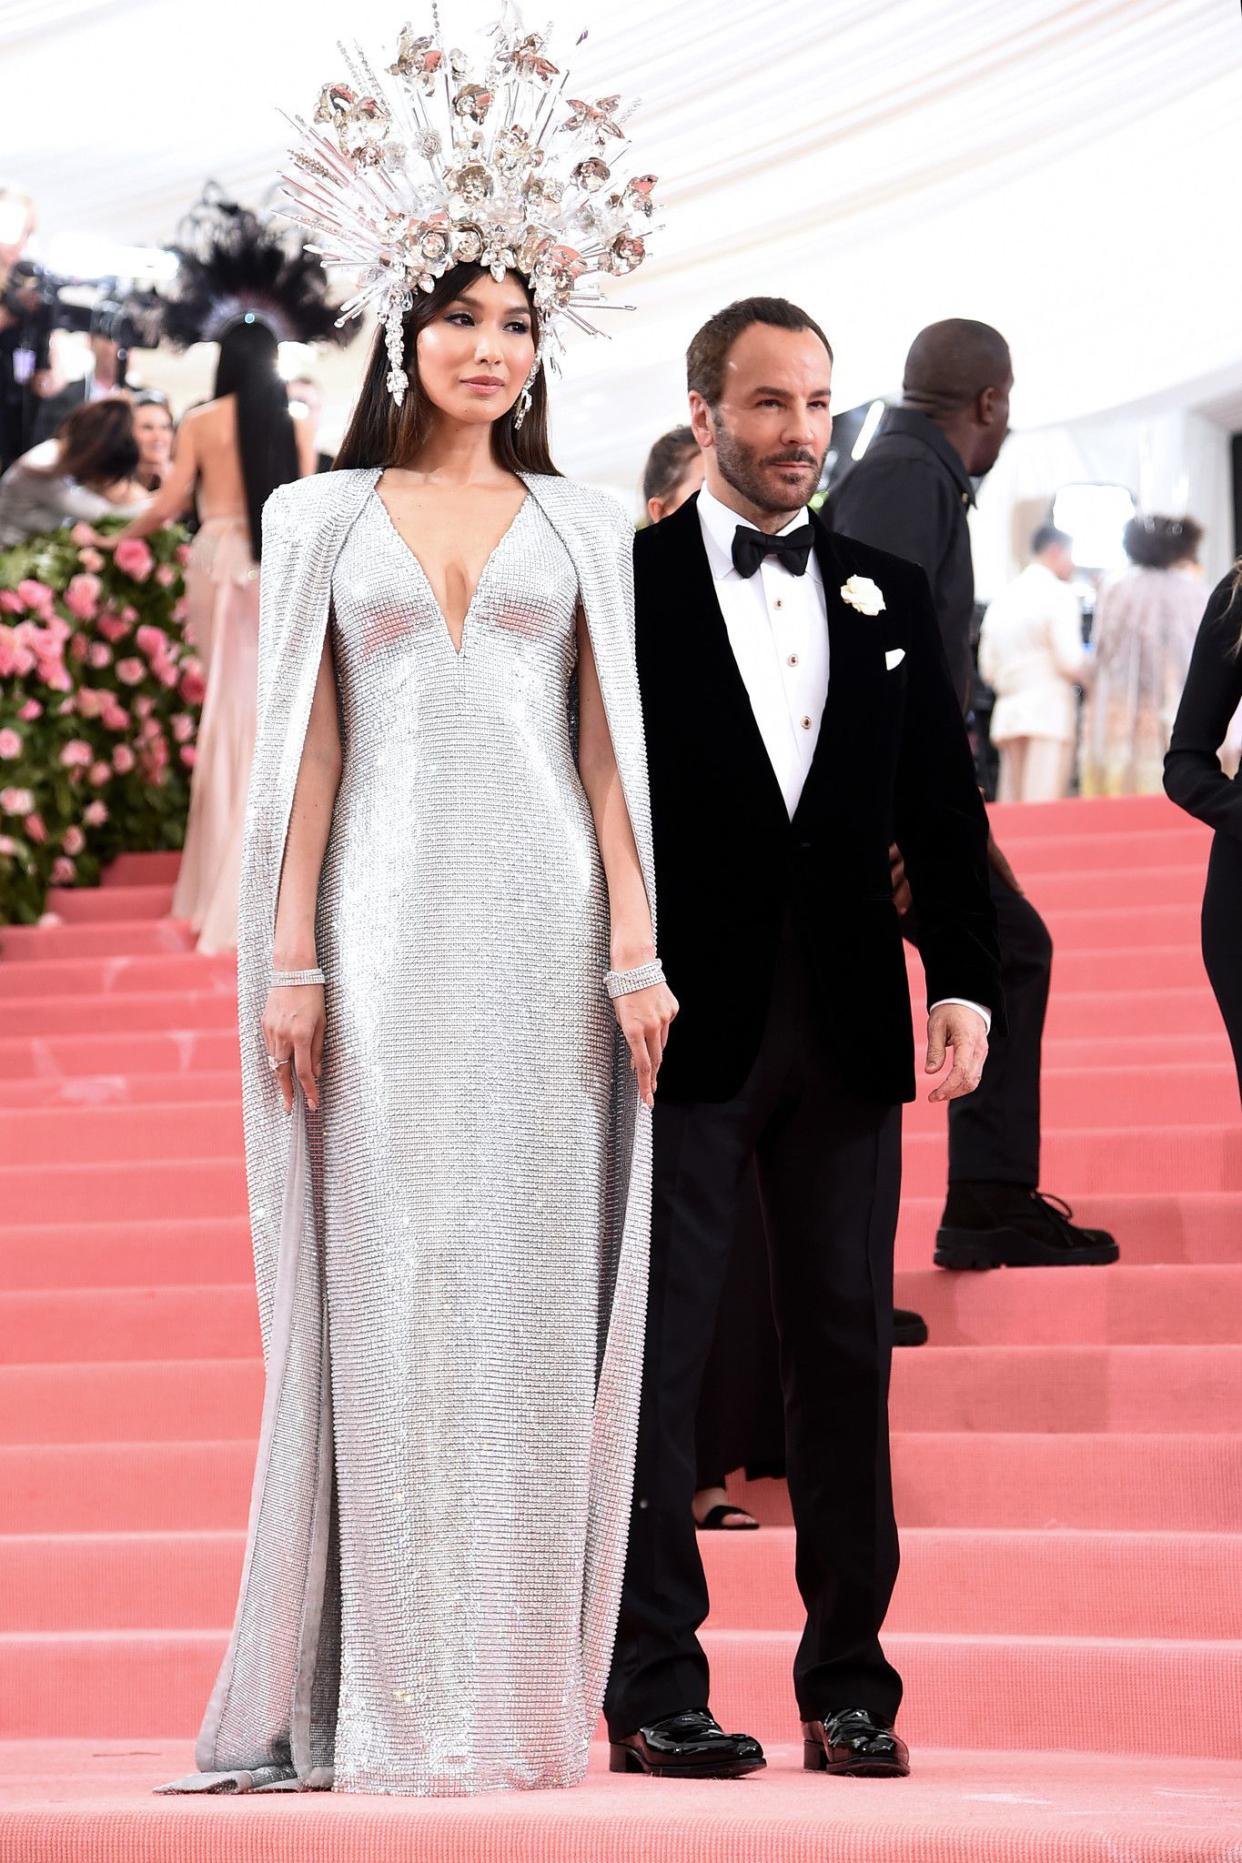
(449, 816)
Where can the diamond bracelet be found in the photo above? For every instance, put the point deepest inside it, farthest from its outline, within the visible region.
(288, 979)
(625, 982)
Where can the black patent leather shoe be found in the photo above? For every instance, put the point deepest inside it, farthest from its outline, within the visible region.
(686, 1746)
(909, 1329)
(855, 1744)
(1006, 1226)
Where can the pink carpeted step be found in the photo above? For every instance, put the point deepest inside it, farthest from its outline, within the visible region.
(1144, 1158)
(1070, 1387)
(83, 1192)
(159, 1400)
(91, 1056)
(69, 1801)
(1116, 890)
(1073, 815)
(150, 1252)
(1163, 1016)
(1127, 1304)
(1171, 1094)
(968, 1479)
(97, 905)
(121, 1014)
(175, 974)
(1107, 850)
(120, 938)
(1161, 1225)
(156, 869)
(73, 1094)
(1076, 929)
(140, 1486)
(1092, 1694)
(1046, 1388)
(963, 1582)
(1122, 968)
(83, 1325)
(954, 1581)
(101, 1134)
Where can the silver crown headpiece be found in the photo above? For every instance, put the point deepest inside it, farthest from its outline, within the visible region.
(442, 162)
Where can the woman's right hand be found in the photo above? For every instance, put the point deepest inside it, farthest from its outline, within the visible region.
(293, 1030)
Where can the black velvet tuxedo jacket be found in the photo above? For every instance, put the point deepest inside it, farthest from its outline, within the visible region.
(892, 764)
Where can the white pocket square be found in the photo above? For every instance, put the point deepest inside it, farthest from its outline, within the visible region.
(894, 657)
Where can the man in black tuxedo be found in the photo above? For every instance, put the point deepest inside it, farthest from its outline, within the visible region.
(910, 493)
(799, 718)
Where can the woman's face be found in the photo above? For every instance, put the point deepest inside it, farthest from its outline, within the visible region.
(153, 430)
(477, 351)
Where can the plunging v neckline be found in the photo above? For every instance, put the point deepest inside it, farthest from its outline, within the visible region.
(412, 553)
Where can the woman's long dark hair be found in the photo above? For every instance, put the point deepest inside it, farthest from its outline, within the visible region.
(382, 434)
(266, 445)
(96, 444)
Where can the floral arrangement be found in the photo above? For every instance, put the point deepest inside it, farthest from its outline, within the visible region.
(100, 694)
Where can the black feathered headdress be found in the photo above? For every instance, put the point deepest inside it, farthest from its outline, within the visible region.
(231, 265)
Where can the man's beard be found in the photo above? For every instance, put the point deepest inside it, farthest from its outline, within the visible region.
(743, 470)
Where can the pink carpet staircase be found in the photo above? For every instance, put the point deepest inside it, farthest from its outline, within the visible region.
(1068, 1449)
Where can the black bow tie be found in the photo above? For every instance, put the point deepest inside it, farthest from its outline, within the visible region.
(751, 546)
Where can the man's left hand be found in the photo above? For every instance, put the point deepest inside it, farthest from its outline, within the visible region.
(953, 1025)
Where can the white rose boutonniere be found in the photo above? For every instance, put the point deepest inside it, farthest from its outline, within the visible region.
(864, 594)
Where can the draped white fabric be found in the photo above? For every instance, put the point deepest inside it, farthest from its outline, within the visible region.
(1066, 170)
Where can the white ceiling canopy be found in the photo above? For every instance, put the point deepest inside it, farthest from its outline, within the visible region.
(1065, 171)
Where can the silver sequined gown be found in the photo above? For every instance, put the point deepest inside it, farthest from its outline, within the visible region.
(466, 1090)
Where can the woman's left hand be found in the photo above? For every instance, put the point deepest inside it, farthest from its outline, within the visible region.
(644, 1018)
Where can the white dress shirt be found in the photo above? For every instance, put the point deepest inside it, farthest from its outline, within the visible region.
(777, 624)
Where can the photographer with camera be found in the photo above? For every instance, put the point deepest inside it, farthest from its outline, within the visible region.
(86, 473)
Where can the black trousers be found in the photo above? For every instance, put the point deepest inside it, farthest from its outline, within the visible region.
(829, 1168)
(994, 1131)
(1221, 927)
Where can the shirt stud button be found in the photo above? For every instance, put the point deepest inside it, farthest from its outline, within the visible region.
(805, 723)
(792, 660)
(780, 602)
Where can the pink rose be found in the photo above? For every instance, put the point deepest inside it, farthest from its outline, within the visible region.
(93, 560)
(81, 533)
(95, 814)
(182, 554)
(82, 596)
(183, 727)
(189, 756)
(123, 759)
(143, 706)
(166, 672)
(34, 594)
(166, 575)
(115, 717)
(35, 830)
(193, 686)
(30, 711)
(131, 672)
(129, 615)
(181, 608)
(7, 844)
(112, 627)
(16, 801)
(67, 707)
(10, 744)
(152, 640)
(100, 773)
(11, 602)
(76, 754)
(93, 701)
(58, 679)
(73, 840)
(63, 871)
(133, 558)
(79, 647)
(100, 653)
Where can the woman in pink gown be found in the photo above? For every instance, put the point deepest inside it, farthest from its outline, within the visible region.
(236, 449)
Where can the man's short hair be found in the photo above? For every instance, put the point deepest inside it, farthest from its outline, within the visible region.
(1048, 534)
(709, 349)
